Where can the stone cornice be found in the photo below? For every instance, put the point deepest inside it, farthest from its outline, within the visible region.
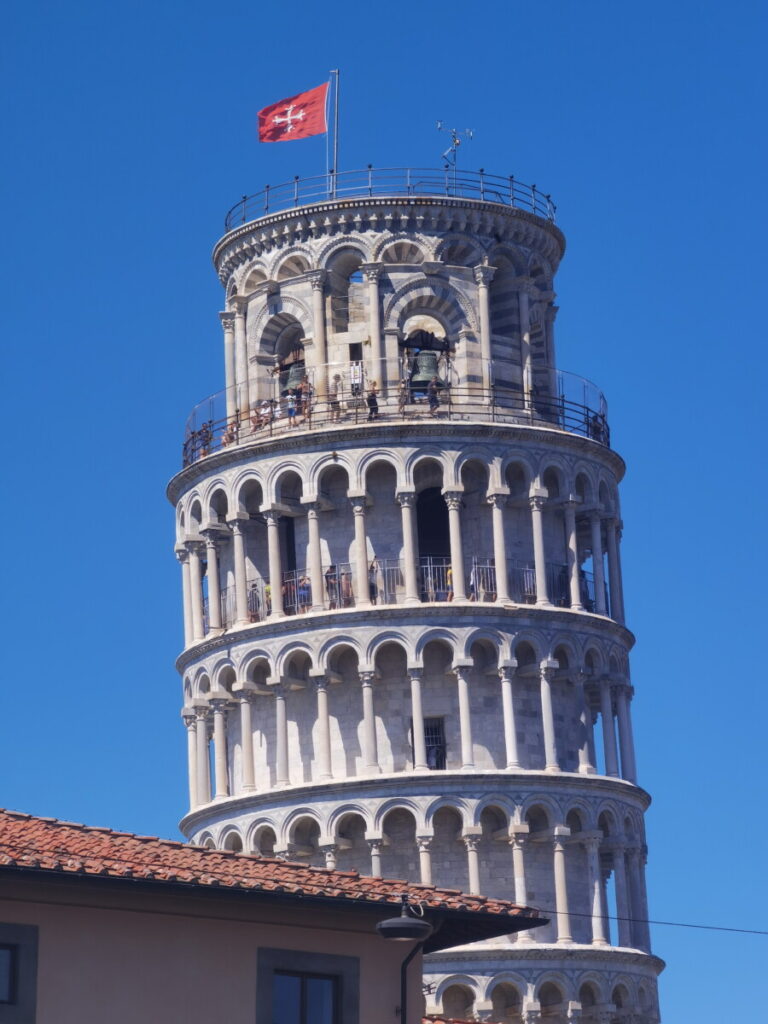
(443, 783)
(484, 953)
(509, 619)
(330, 216)
(328, 438)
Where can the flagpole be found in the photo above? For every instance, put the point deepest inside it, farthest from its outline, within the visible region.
(335, 73)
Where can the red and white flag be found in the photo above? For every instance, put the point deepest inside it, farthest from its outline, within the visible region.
(295, 118)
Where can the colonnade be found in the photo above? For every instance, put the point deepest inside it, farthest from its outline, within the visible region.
(191, 551)
(241, 389)
(206, 718)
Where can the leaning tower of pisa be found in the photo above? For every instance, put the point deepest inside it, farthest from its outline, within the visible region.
(399, 533)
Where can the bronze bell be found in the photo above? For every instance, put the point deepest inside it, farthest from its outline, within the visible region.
(292, 377)
(424, 369)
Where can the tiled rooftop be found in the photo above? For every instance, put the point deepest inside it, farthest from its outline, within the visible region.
(67, 848)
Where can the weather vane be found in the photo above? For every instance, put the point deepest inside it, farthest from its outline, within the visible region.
(452, 152)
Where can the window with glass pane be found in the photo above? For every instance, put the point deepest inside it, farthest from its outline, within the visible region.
(8, 972)
(301, 998)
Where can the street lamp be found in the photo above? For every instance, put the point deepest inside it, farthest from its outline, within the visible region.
(405, 928)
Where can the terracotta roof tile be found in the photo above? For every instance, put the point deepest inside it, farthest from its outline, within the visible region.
(46, 844)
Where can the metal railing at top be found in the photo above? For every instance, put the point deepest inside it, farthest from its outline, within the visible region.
(562, 401)
(394, 182)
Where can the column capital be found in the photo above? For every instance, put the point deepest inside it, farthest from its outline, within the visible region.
(227, 318)
(471, 841)
(548, 667)
(537, 502)
(245, 691)
(484, 274)
(182, 554)
(317, 278)
(406, 498)
(453, 499)
(202, 710)
(415, 671)
(497, 499)
(372, 271)
(366, 678)
(236, 523)
(239, 304)
(374, 845)
(188, 716)
(358, 503)
(219, 701)
(194, 545)
(424, 843)
(271, 513)
(320, 680)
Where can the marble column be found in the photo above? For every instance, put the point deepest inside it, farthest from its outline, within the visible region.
(417, 717)
(241, 580)
(370, 752)
(614, 573)
(424, 844)
(483, 276)
(552, 764)
(329, 852)
(597, 563)
(362, 597)
(506, 674)
(497, 502)
(517, 841)
(562, 915)
(315, 556)
(214, 589)
(228, 323)
(220, 759)
(465, 718)
(282, 777)
(569, 511)
(635, 897)
(473, 863)
(245, 692)
(202, 715)
(592, 844)
(183, 556)
(190, 723)
(453, 501)
(374, 845)
(272, 517)
(609, 730)
(196, 589)
(241, 360)
(539, 553)
(614, 586)
(525, 346)
(407, 501)
(317, 279)
(623, 910)
(371, 273)
(323, 730)
(586, 765)
(626, 745)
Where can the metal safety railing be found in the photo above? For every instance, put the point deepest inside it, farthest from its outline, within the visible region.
(392, 182)
(560, 401)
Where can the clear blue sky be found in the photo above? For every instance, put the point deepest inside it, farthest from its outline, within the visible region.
(128, 130)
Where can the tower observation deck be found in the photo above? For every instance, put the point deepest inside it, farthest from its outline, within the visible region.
(399, 532)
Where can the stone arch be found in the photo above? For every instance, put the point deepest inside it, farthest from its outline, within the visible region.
(553, 478)
(328, 251)
(506, 999)
(527, 650)
(501, 801)
(434, 297)
(621, 994)
(325, 463)
(437, 634)
(250, 277)
(256, 666)
(285, 483)
(231, 839)
(279, 311)
(517, 474)
(552, 995)
(563, 650)
(207, 841)
(469, 457)
(584, 485)
(335, 644)
(202, 683)
(217, 501)
(453, 803)
(485, 634)
(379, 456)
(509, 255)
(262, 837)
(400, 248)
(224, 675)
(458, 1001)
(303, 812)
(248, 494)
(459, 250)
(384, 639)
(292, 262)
(343, 811)
(290, 652)
(540, 813)
(398, 803)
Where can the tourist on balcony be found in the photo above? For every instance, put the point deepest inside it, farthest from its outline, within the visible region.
(332, 586)
(291, 409)
(373, 581)
(304, 594)
(372, 401)
(433, 396)
(333, 398)
(230, 434)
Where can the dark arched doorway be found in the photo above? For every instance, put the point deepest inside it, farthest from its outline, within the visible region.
(434, 545)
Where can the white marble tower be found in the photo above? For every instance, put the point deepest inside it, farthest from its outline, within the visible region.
(399, 534)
